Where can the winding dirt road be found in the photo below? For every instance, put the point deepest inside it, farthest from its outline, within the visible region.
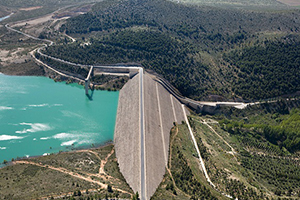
(74, 174)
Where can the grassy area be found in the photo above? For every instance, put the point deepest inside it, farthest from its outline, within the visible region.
(64, 174)
(28, 182)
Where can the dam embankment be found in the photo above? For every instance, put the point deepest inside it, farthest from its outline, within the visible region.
(161, 110)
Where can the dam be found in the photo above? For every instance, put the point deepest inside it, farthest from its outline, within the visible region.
(146, 113)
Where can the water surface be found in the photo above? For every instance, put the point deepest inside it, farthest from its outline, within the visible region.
(6, 17)
(39, 116)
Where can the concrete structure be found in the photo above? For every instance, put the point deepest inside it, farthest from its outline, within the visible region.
(118, 70)
(160, 111)
(127, 136)
(87, 81)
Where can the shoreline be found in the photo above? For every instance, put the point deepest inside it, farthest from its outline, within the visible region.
(72, 150)
(64, 79)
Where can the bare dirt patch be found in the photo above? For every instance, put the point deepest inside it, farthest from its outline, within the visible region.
(34, 21)
(290, 2)
(30, 68)
(31, 8)
(3, 53)
(13, 56)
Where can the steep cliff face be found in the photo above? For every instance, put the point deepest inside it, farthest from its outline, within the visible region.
(161, 110)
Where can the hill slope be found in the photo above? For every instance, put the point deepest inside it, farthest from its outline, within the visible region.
(185, 44)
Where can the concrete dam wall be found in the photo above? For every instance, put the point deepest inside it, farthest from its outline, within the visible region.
(161, 110)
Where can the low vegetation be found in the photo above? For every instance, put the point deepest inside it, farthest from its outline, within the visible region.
(270, 147)
(222, 161)
(183, 179)
(281, 131)
(240, 160)
(70, 175)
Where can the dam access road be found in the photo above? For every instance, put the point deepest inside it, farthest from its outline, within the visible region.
(142, 133)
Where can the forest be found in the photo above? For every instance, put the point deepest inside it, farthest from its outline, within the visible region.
(267, 71)
(154, 50)
(186, 21)
(184, 44)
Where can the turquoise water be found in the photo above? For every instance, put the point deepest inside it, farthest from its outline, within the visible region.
(6, 17)
(39, 116)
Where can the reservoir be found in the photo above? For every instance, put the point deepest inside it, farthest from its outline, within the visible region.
(39, 116)
(6, 17)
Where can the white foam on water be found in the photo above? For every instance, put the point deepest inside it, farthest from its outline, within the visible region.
(63, 135)
(34, 138)
(85, 142)
(68, 143)
(44, 138)
(21, 92)
(35, 127)
(6, 108)
(39, 105)
(70, 138)
(68, 113)
(2, 148)
(27, 156)
(24, 131)
(10, 137)
(46, 154)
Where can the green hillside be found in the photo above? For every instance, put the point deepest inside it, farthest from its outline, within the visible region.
(190, 46)
(268, 70)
